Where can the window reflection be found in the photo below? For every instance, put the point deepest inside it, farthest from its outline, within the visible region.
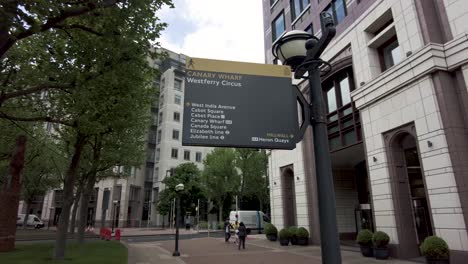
(345, 91)
(331, 99)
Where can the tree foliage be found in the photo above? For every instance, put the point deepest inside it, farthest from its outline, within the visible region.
(252, 164)
(189, 175)
(220, 178)
(81, 64)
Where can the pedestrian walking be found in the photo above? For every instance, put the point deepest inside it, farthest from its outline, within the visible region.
(227, 230)
(242, 235)
(235, 226)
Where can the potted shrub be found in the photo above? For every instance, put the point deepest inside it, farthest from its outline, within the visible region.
(302, 236)
(364, 239)
(436, 250)
(293, 234)
(271, 232)
(284, 237)
(380, 240)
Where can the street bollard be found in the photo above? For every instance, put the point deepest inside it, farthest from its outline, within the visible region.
(108, 234)
(117, 234)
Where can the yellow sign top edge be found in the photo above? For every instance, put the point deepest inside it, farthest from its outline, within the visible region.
(235, 67)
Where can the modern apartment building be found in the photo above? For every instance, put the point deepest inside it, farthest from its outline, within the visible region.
(168, 138)
(131, 201)
(397, 105)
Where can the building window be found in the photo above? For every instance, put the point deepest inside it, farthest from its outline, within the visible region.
(331, 100)
(187, 155)
(175, 134)
(174, 153)
(297, 6)
(163, 82)
(337, 10)
(156, 175)
(198, 157)
(159, 137)
(158, 154)
(161, 101)
(310, 29)
(343, 122)
(278, 26)
(177, 116)
(177, 99)
(178, 84)
(390, 54)
(160, 118)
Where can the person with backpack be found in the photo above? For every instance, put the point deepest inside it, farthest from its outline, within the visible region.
(242, 234)
(227, 230)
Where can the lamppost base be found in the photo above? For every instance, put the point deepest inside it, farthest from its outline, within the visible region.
(176, 254)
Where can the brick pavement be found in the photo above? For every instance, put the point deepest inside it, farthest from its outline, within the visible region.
(215, 250)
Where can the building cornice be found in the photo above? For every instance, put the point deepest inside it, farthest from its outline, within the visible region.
(430, 58)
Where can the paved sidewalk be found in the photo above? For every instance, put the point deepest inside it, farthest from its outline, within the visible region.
(215, 250)
(155, 231)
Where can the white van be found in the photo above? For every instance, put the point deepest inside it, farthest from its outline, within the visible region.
(33, 220)
(253, 220)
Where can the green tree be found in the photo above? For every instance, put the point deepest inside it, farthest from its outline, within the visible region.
(75, 63)
(189, 175)
(252, 165)
(220, 178)
(42, 170)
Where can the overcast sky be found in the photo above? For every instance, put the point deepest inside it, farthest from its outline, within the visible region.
(215, 29)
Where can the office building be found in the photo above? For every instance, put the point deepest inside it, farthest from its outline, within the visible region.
(397, 130)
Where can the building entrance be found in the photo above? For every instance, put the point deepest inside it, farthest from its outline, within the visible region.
(412, 208)
(418, 198)
(289, 197)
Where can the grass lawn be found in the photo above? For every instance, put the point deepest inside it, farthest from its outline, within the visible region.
(102, 252)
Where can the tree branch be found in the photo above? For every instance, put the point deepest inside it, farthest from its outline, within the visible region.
(32, 89)
(76, 26)
(87, 7)
(36, 119)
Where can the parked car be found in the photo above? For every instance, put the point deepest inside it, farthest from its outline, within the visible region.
(33, 221)
(253, 220)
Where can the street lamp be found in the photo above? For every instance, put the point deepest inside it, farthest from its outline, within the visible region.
(50, 217)
(301, 51)
(115, 203)
(179, 188)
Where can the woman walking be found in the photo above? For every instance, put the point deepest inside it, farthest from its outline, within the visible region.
(242, 234)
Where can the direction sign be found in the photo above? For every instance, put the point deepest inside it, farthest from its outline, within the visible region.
(236, 104)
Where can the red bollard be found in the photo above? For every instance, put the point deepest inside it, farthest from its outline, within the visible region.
(108, 234)
(101, 233)
(117, 234)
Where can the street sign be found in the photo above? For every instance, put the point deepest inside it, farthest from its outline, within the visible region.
(236, 104)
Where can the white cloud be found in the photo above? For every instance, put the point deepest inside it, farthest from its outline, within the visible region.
(220, 29)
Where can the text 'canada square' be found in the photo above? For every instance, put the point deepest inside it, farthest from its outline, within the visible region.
(237, 104)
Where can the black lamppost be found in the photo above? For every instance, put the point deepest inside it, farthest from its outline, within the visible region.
(302, 51)
(115, 205)
(179, 188)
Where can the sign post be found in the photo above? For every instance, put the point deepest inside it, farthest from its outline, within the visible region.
(236, 104)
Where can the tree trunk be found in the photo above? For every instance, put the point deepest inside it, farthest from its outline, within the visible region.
(221, 212)
(69, 183)
(88, 188)
(84, 207)
(9, 197)
(26, 215)
(75, 210)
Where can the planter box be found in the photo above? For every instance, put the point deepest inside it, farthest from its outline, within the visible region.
(272, 237)
(284, 242)
(294, 240)
(437, 261)
(381, 253)
(303, 241)
(367, 251)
